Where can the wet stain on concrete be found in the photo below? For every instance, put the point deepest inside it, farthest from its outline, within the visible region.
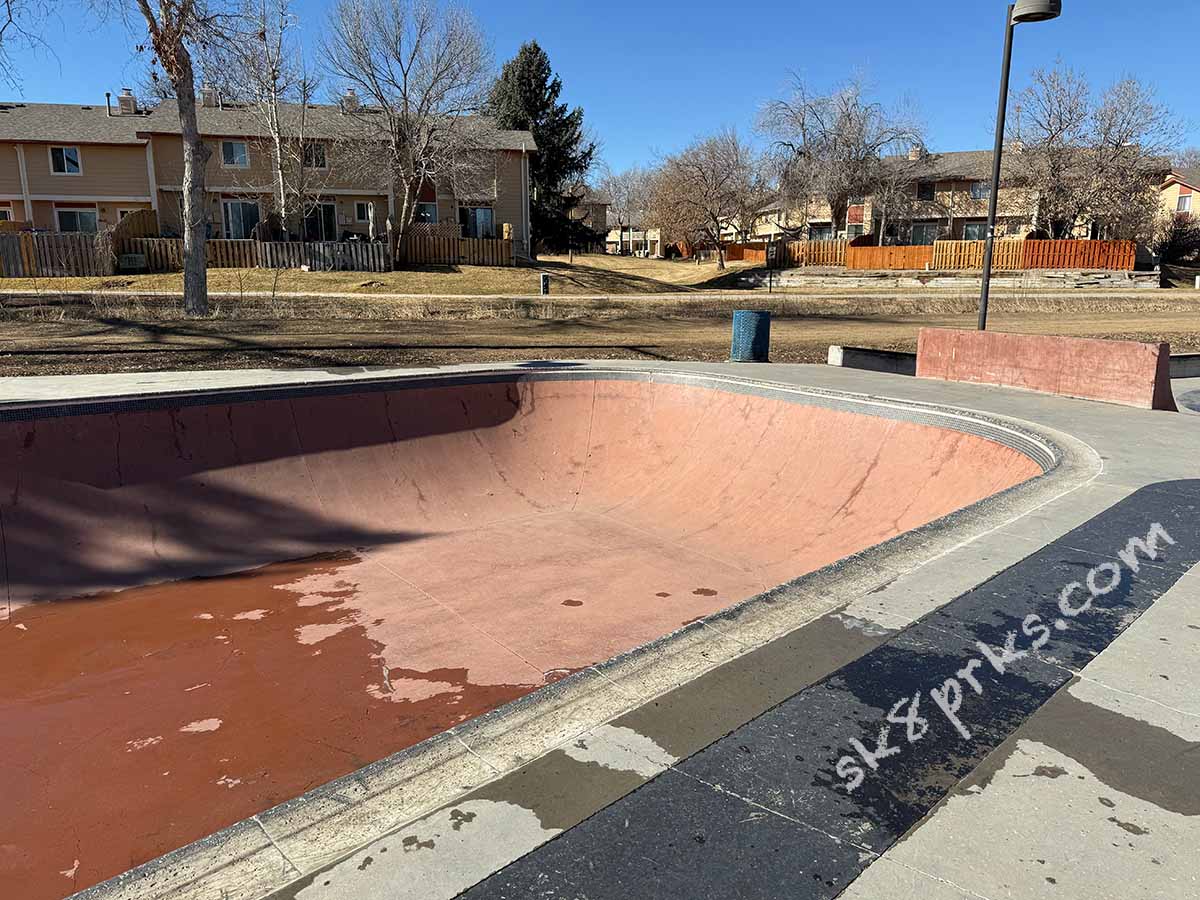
(1129, 755)
(784, 760)
(663, 594)
(704, 592)
(139, 721)
(572, 603)
(458, 818)
(1046, 772)
(1128, 826)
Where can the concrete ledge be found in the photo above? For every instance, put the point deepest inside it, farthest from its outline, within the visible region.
(894, 362)
(1125, 372)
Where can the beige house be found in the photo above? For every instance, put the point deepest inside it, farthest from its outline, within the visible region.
(1180, 193)
(634, 241)
(79, 168)
(945, 197)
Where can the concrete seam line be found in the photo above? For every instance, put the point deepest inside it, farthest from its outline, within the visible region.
(270, 837)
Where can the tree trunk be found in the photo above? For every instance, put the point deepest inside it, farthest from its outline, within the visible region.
(195, 206)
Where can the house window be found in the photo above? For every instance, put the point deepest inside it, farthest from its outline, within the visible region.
(975, 231)
(925, 190)
(820, 232)
(981, 190)
(314, 156)
(65, 161)
(853, 231)
(122, 213)
(5, 214)
(320, 223)
(362, 211)
(77, 220)
(477, 221)
(234, 155)
(1184, 204)
(427, 212)
(240, 218)
(925, 233)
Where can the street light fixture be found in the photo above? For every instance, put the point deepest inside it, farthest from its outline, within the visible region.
(1021, 11)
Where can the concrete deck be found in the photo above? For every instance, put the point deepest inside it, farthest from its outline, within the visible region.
(706, 763)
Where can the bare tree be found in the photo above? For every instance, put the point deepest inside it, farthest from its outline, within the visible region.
(19, 28)
(1187, 158)
(705, 187)
(267, 72)
(177, 29)
(423, 70)
(832, 145)
(1091, 161)
(628, 194)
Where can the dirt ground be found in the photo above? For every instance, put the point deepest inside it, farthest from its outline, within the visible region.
(44, 332)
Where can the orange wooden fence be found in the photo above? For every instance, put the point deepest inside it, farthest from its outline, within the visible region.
(753, 252)
(903, 257)
(1119, 255)
(951, 255)
(812, 253)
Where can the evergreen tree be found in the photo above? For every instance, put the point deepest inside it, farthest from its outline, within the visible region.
(526, 98)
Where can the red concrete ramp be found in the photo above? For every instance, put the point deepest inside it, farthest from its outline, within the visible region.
(214, 606)
(1126, 372)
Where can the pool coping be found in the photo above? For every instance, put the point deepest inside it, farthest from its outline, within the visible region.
(245, 862)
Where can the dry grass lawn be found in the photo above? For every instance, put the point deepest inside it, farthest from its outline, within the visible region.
(590, 274)
(643, 309)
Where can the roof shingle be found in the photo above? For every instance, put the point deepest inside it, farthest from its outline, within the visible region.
(62, 122)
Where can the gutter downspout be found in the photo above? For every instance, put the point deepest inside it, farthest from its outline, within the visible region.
(25, 184)
(153, 179)
(525, 194)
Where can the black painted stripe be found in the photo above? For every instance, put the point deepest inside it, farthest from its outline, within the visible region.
(762, 812)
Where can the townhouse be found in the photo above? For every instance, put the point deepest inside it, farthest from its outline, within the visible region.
(66, 167)
(939, 196)
(1178, 193)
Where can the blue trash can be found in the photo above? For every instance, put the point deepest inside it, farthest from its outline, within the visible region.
(751, 336)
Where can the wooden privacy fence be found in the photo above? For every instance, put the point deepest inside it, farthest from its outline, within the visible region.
(166, 254)
(326, 256)
(953, 255)
(900, 257)
(1119, 255)
(419, 250)
(1013, 255)
(794, 254)
(29, 255)
(753, 252)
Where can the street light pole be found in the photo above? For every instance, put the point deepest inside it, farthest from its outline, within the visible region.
(994, 190)
(1021, 11)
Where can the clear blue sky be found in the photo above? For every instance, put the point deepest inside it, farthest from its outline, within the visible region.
(651, 75)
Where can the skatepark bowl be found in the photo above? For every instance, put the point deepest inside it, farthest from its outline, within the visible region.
(220, 601)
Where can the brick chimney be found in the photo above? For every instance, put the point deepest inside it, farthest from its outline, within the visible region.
(915, 152)
(126, 103)
(209, 96)
(350, 101)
